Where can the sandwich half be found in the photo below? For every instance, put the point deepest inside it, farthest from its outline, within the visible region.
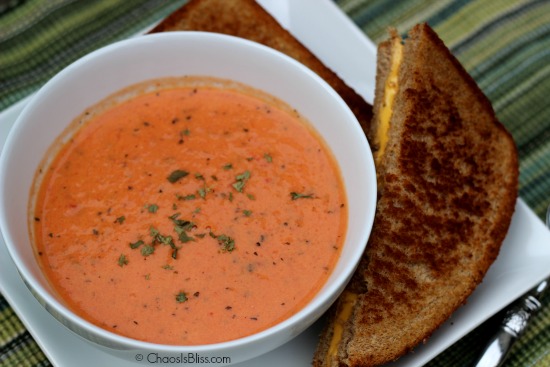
(447, 174)
(247, 19)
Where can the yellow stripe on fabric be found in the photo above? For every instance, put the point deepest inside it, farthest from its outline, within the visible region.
(471, 18)
(535, 179)
(62, 25)
(22, 17)
(26, 74)
(27, 354)
(383, 14)
(492, 42)
(522, 89)
(497, 78)
(11, 325)
(420, 14)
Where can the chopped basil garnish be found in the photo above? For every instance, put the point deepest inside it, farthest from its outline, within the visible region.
(135, 245)
(296, 196)
(177, 175)
(122, 260)
(227, 243)
(147, 250)
(181, 297)
(241, 181)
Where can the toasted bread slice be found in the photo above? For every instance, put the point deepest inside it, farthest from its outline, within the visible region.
(247, 19)
(448, 179)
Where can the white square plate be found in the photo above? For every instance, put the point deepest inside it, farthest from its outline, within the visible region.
(331, 35)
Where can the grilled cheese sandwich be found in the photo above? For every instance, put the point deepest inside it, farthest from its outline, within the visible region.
(447, 173)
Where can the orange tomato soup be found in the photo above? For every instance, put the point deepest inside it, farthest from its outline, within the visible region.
(189, 213)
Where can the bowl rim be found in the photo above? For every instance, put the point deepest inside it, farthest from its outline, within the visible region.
(124, 342)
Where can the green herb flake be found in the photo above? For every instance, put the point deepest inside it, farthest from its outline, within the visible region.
(176, 175)
(202, 192)
(243, 176)
(247, 213)
(152, 208)
(181, 297)
(268, 157)
(181, 227)
(122, 260)
(182, 234)
(186, 197)
(161, 239)
(241, 181)
(296, 196)
(165, 240)
(147, 250)
(181, 222)
(227, 243)
(120, 219)
(167, 267)
(227, 166)
(135, 245)
(198, 176)
(153, 231)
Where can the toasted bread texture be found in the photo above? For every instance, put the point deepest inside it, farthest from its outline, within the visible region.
(247, 19)
(448, 183)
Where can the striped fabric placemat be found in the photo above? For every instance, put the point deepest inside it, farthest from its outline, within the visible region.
(38, 38)
(504, 44)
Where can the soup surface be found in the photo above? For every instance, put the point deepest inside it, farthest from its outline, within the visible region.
(189, 212)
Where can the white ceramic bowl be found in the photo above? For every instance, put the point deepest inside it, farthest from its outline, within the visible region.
(108, 70)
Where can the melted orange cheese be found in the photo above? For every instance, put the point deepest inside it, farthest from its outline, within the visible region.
(390, 90)
(348, 300)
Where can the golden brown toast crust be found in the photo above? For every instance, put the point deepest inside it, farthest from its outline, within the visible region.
(247, 19)
(449, 187)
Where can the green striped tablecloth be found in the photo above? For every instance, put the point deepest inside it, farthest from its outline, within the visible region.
(504, 44)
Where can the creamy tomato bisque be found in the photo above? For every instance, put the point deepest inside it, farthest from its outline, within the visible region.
(189, 213)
